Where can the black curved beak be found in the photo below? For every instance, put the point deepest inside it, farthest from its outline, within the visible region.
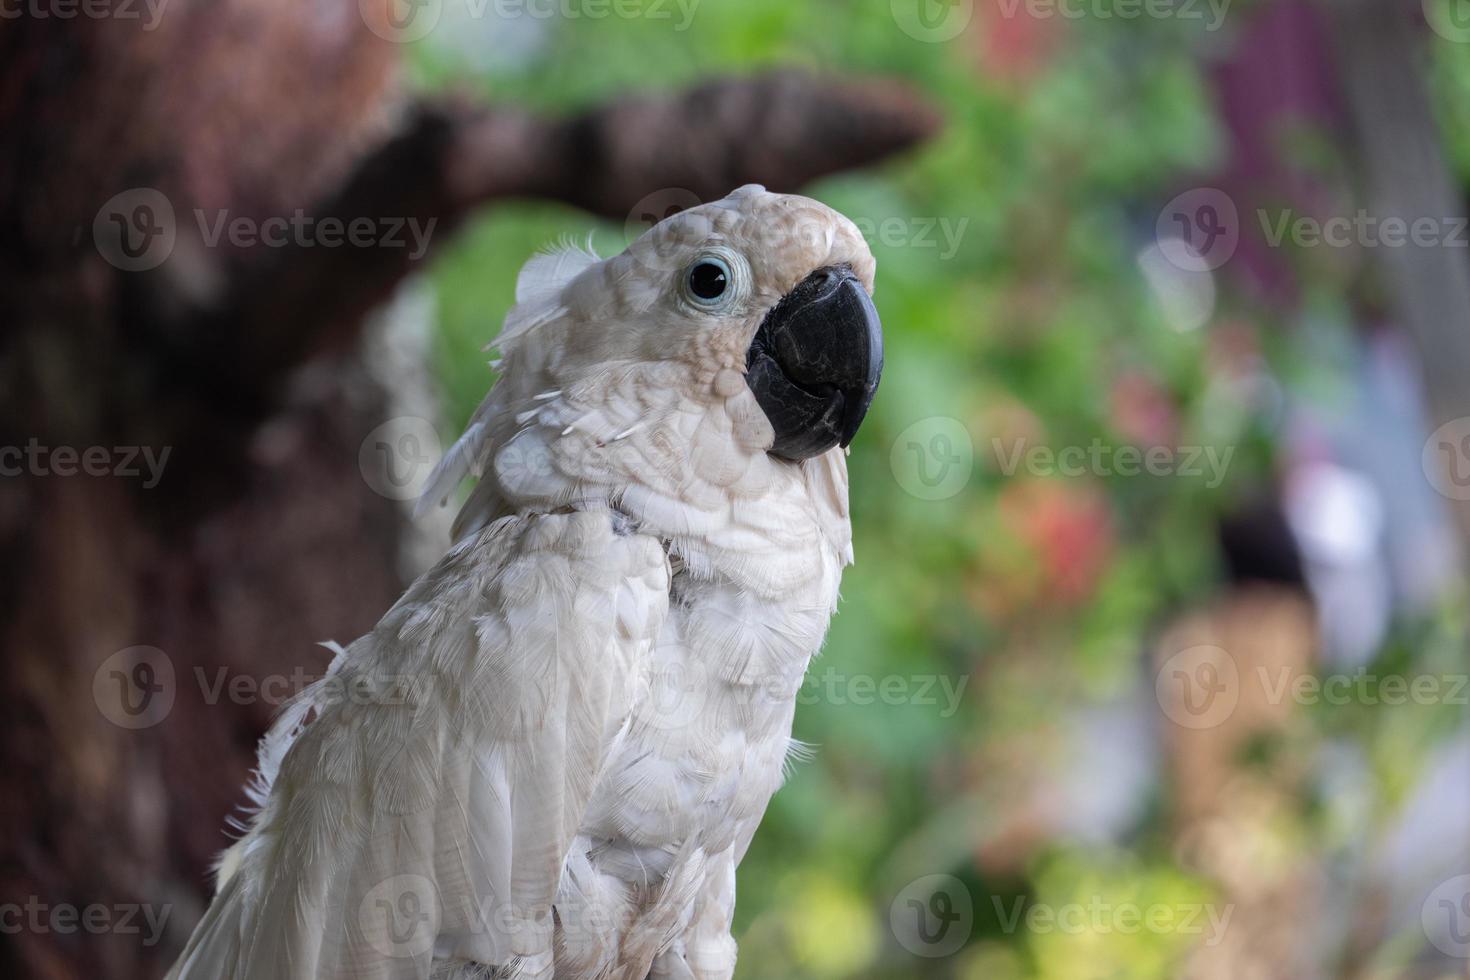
(815, 362)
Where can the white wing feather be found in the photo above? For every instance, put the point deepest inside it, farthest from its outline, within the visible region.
(426, 807)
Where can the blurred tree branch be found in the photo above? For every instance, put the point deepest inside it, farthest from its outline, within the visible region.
(781, 129)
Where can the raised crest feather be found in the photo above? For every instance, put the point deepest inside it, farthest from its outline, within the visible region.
(545, 274)
(539, 287)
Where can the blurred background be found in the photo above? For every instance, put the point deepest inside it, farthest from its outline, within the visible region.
(1153, 662)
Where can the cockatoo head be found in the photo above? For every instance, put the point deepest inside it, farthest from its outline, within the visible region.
(773, 287)
(714, 361)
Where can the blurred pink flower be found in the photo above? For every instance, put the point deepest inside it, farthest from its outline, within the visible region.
(1011, 44)
(1142, 411)
(1068, 530)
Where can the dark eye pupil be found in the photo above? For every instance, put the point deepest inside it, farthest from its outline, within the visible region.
(707, 280)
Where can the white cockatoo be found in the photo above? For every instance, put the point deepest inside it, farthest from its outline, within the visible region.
(549, 757)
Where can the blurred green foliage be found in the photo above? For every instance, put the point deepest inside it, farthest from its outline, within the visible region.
(1039, 594)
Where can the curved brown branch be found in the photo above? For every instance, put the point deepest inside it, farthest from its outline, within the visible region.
(782, 129)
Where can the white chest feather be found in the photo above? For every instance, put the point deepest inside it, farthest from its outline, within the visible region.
(690, 774)
(707, 740)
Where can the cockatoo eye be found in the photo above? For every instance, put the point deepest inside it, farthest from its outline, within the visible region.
(716, 282)
(709, 280)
